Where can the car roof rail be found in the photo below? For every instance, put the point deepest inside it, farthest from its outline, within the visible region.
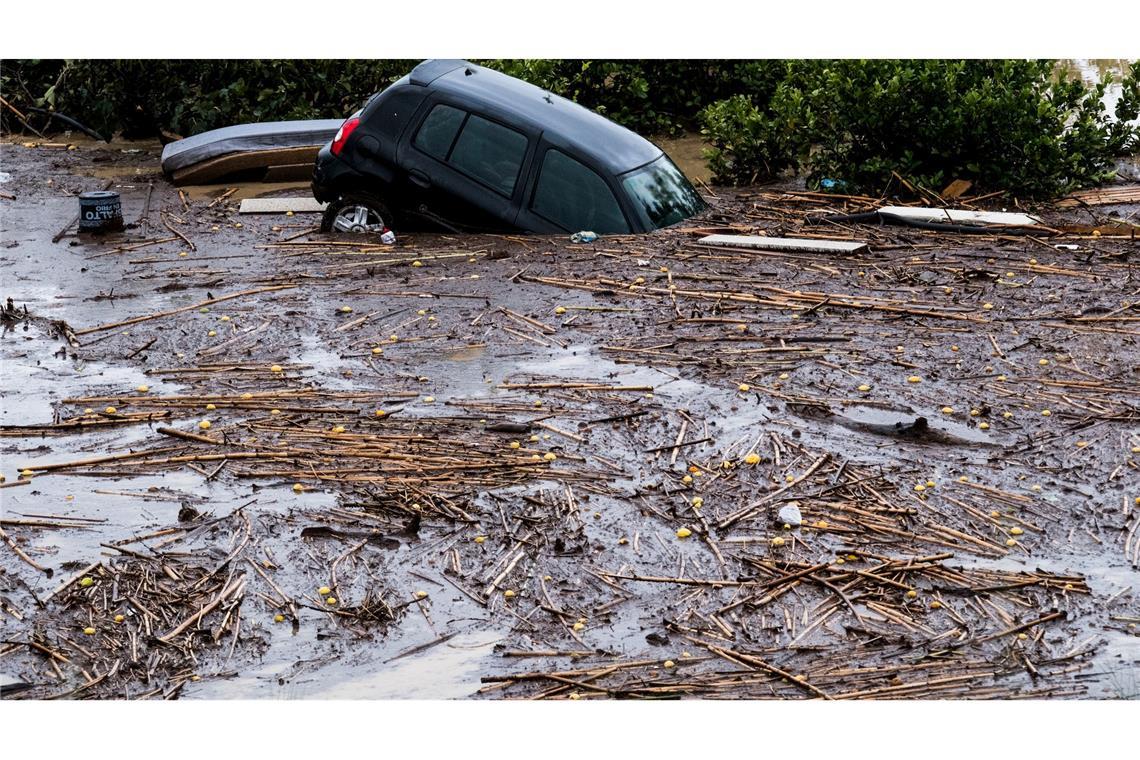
(432, 69)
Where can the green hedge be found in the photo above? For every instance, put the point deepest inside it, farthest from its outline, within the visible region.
(1020, 126)
(189, 96)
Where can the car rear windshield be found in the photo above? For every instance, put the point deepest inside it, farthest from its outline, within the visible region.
(661, 193)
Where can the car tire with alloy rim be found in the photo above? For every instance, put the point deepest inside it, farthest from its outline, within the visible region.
(357, 212)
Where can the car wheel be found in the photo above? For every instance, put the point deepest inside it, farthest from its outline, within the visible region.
(357, 212)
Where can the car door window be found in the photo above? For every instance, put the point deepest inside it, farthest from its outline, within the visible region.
(489, 152)
(573, 196)
(437, 133)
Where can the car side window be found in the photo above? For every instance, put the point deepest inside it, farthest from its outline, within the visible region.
(437, 133)
(489, 152)
(573, 196)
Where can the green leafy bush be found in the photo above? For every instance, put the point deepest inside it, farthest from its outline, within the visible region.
(1005, 125)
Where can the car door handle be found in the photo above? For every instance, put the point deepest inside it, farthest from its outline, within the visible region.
(420, 179)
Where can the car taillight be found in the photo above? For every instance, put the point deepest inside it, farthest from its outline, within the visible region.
(343, 133)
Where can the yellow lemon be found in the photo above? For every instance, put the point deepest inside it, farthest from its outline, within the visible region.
(578, 626)
(89, 631)
(87, 581)
(822, 525)
(324, 590)
(864, 387)
(687, 479)
(983, 426)
(559, 309)
(745, 387)
(429, 399)
(143, 389)
(278, 618)
(1015, 531)
(210, 407)
(275, 411)
(331, 600)
(669, 664)
(684, 533)
(346, 309)
(119, 618)
(110, 410)
(509, 594)
(211, 334)
(947, 410)
(275, 368)
(914, 379)
(912, 594)
(417, 263)
(752, 458)
(204, 424)
(936, 605)
(1045, 412)
(549, 456)
(515, 444)
(778, 541)
(380, 412)
(1011, 542)
(698, 501)
(298, 487)
(421, 594)
(987, 306)
(480, 539)
(920, 488)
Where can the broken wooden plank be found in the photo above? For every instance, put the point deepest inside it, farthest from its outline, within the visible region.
(785, 244)
(1101, 196)
(958, 216)
(281, 206)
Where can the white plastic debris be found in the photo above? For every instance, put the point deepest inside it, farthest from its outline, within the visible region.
(790, 514)
(388, 237)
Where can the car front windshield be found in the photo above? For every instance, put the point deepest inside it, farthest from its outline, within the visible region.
(661, 193)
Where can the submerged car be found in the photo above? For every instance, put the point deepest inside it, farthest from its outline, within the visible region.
(461, 147)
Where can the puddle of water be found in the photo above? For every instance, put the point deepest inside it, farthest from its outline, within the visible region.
(450, 670)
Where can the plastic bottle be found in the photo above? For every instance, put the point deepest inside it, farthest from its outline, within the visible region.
(388, 237)
(583, 237)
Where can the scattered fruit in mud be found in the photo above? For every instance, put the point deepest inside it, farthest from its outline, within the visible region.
(864, 387)
(1016, 531)
(276, 368)
(1006, 415)
(1022, 636)
(936, 605)
(210, 407)
(995, 513)
(744, 387)
(26, 473)
(119, 618)
(345, 309)
(784, 375)
(1011, 542)
(687, 479)
(338, 429)
(515, 444)
(204, 424)
(987, 306)
(578, 626)
(698, 501)
(947, 410)
(89, 631)
(575, 695)
(376, 350)
(983, 426)
(509, 594)
(930, 484)
(278, 618)
(247, 396)
(211, 334)
(143, 389)
(298, 487)
(275, 411)
(417, 263)
(669, 664)
(324, 590)
(912, 594)
(914, 379)
(920, 488)
(87, 581)
(110, 410)
(549, 456)
(331, 600)
(421, 594)
(778, 541)
(1045, 413)
(822, 525)
(559, 309)
(684, 533)
(429, 399)
(752, 458)
(480, 539)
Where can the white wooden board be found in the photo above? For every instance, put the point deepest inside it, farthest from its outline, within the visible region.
(281, 205)
(959, 216)
(785, 244)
